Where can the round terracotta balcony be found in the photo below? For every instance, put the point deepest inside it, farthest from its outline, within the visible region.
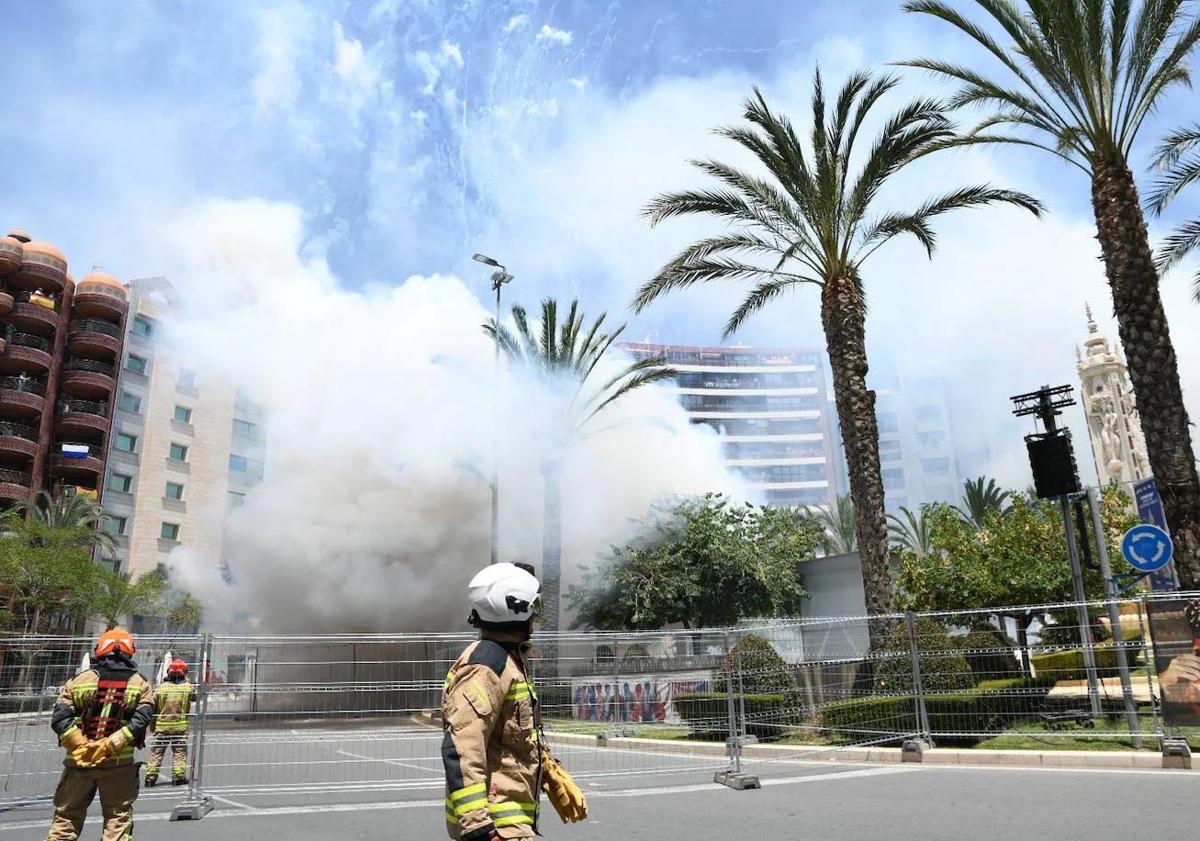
(82, 417)
(88, 378)
(31, 317)
(93, 337)
(42, 267)
(6, 303)
(76, 468)
(18, 439)
(14, 484)
(100, 295)
(26, 352)
(22, 396)
(12, 252)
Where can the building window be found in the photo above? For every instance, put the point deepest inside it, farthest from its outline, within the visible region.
(249, 466)
(235, 499)
(179, 452)
(126, 443)
(248, 430)
(890, 451)
(931, 440)
(183, 414)
(120, 482)
(142, 326)
(887, 424)
(936, 466)
(114, 525)
(928, 413)
(174, 490)
(129, 402)
(135, 363)
(187, 379)
(893, 479)
(169, 531)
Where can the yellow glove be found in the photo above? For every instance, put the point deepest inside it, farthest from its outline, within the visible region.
(561, 791)
(93, 753)
(75, 744)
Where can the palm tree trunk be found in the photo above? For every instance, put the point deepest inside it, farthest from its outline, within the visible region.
(1129, 265)
(551, 571)
(843, 315)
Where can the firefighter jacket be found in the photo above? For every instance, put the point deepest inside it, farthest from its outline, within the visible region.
(491, 722)
(172, 700)
(103, 699)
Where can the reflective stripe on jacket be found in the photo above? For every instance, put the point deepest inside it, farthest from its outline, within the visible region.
(490, 721)
(172, 702)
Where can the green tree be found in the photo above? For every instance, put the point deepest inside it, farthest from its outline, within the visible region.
(910, 532)
(980, 497)
(700, 562)
(811, 222)
(1179, 161)
(1013, 558)
(71, 511)
(115, 596)
(562, 358)
(838, 526)
(1081, 76)
(46, 569)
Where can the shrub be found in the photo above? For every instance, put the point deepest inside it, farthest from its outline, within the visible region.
(990, 655)
(768, 715)
(763, 671)
(943, 666)
(1069, 665)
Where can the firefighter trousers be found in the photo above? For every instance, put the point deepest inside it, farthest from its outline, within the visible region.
(118, 788)
(177, 744)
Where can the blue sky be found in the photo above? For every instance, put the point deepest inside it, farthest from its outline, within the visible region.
(411, 134)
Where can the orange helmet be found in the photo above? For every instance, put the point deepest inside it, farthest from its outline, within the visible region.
(177, 667)
(115, 640)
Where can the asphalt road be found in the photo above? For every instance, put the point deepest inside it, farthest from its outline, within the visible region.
(799, 801)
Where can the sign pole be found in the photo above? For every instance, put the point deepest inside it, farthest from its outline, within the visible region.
(1085, 625)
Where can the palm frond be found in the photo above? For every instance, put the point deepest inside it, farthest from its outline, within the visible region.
(1183, 241)
(1175, 145)
(759, 297)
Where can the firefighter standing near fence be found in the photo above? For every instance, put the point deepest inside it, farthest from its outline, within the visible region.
(492, 749)
(100, 715)
(173, 699)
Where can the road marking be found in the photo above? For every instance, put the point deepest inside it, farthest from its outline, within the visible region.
(388, 761)
(245, 806)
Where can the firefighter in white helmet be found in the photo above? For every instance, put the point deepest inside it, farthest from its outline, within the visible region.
(492, 749)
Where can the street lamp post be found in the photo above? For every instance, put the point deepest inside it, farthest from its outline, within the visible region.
(499, 278)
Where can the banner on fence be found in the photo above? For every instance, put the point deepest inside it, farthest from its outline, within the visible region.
(1175, 630)
(634, 699)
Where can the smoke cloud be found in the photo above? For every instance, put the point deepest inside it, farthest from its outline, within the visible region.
(373, 512)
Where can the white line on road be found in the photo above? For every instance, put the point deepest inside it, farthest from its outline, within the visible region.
(389, 761)
(226, 800)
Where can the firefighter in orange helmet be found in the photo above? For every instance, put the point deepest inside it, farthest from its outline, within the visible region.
(172, 700)
(100, 715)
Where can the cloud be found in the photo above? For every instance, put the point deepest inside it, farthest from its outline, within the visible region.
(515, 22)
(551, 35)
(433, 64)
(282, 34)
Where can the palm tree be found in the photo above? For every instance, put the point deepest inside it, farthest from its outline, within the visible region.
(1084, 75)
(911, 531)
(1179, 160)
(117, 596)
(563, 358)
(810, 224)
(838, 523)
(71, 511)
(980, 498)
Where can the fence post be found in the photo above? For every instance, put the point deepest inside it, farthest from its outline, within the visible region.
(1148, 660)
(733, 776)
(912, 750)
(198, 804)
(1114, 620)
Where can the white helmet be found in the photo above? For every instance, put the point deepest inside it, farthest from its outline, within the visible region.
(503, 593)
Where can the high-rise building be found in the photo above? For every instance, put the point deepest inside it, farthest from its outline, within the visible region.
(58, 354)
(1118, 445)
(769, 405)
(185, 446)
(917, 449)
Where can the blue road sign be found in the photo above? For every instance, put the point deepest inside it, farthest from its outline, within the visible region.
(1147, 548)
(1149, 503)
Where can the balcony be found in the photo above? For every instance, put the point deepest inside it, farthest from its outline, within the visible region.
(42, 267)
(34, 313)
(25, 352)
(22, 396)
(78, 468)
(77, 416)
(6, 303)
(99, 300)
(11, 254)
(14, 484)
(89, 378)
(18, 439)
(93, 336)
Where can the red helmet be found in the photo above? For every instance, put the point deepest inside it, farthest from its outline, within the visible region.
(115, 640)
(177, 667)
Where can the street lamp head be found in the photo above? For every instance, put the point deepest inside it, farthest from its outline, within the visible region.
(486, 260)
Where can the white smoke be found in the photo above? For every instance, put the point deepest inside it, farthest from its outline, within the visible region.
(373, 512)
